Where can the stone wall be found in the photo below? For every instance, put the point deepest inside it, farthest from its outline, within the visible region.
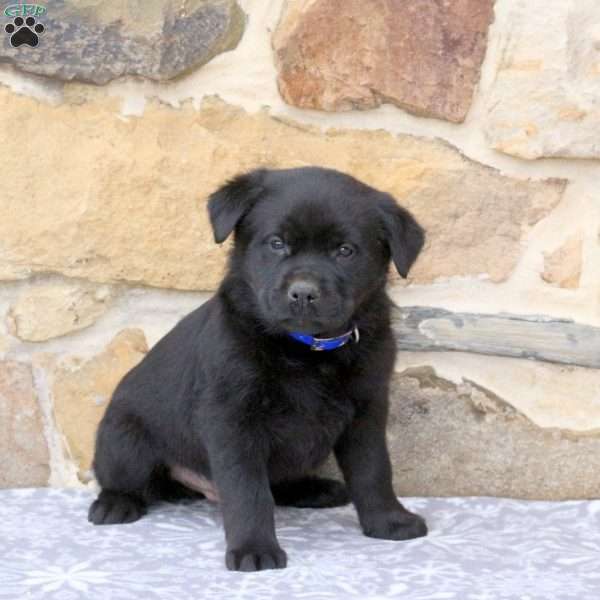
(482, 117)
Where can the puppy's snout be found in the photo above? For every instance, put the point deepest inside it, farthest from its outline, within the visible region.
(303, 293)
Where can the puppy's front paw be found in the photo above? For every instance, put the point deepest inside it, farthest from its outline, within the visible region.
(255, 557)
(394, 525)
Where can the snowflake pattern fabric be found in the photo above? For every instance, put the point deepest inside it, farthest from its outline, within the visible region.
(477, 549)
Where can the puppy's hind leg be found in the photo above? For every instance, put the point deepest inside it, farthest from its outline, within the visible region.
(124, 464)
(310, 492)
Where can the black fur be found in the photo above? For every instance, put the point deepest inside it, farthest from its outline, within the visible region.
(229, 395)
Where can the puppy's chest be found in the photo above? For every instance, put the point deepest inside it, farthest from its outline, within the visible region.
(302, 417)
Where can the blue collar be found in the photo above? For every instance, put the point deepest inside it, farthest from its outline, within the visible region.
(321, 344)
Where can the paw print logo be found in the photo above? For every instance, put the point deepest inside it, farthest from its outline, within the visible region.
(24, 31)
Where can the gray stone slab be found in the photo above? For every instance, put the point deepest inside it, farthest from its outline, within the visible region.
(100, 41)
(531, 337)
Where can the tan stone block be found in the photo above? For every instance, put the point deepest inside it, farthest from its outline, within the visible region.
(342, 54)
(23, 448)
(81, 390)
(563, 266)
(45, 311)
(124, 199)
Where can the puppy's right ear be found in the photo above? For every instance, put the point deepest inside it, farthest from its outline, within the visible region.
(232, 202)
(403, 235)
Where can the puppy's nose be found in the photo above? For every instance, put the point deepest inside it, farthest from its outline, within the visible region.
(303, 292)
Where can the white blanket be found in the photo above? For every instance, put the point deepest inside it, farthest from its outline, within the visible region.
(477, 549)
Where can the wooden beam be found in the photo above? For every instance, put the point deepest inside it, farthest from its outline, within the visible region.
(540, 338)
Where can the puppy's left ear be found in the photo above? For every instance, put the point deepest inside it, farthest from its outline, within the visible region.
(404, 236)
(232, 202)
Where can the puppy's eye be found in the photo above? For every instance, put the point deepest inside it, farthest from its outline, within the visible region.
(277, 244)
(345, 250)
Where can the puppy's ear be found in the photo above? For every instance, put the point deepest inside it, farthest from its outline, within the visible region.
(231, 202)
(403, 235)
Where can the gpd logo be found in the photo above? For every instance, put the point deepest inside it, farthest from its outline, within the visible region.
(25, 28)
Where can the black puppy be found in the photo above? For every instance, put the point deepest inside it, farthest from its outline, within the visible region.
(291, 358)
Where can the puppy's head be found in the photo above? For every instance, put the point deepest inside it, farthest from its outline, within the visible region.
(311, 244)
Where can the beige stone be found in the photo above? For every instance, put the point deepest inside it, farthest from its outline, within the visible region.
(45, 311)
(124, 199)
(563, 266)
(463, 440)
(81, 390)
(342, 54)
(4, 345)
(545, 101)
(23, 448)
(550, 395)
